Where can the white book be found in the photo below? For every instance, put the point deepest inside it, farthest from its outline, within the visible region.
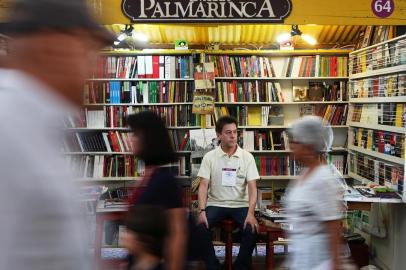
(145, 93)
(96, 166)
(106, 141)
(84, 174)
(316, 69)
(141, 66)
(161, 66)
(248, 140)
(82, 149)
(279, 65)
(296, 67)
(134, 94)
(172, 70)
(167, 67)
(148, 66)
(100, 167)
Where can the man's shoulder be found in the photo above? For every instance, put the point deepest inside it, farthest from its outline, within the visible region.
(245, 153)
(211, 153)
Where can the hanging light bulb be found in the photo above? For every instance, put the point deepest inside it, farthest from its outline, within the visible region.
(122, 36)
(296, 33)
(140, 36)
(283, 37)
(309, 39)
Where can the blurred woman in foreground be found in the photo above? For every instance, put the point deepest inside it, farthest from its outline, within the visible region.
(313, 201)
(151, 143)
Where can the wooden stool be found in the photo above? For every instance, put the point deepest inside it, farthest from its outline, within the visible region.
(228, 225)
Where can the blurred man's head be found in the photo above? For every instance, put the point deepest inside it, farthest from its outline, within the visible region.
(55, 41)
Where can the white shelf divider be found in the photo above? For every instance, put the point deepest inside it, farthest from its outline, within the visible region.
(379, 100)
(389, 158)
(378, 72)
(378, 127)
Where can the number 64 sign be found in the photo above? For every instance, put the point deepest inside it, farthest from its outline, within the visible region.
(383, 8)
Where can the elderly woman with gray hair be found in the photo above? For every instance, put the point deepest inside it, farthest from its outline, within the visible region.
(314, 201)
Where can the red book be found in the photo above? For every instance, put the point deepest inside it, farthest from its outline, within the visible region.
(381, 141)
(114, 141)
(184, 141)
(309, 66)
(376, 87)
(155, 66)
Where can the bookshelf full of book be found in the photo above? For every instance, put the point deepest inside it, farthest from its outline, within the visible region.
(264, 90)
(377, 114)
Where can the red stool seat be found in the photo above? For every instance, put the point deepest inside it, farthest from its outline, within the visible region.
(229, 225)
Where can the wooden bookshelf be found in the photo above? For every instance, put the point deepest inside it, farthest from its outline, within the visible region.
(290, 113)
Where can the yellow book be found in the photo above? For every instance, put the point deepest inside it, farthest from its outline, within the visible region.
(270, 135)
(254, 115)
(327, 114)
(359, 137)
(390, 81)
(399, 114)
(224, 111)
(369, 139)
(363, 62)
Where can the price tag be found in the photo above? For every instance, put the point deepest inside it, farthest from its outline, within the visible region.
(228, 177)
(383, 8)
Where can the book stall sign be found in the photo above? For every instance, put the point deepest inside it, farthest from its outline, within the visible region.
(203, 11)
(383, 8)
(204, 96)
(203, 102)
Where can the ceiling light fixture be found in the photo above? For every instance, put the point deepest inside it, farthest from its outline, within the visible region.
(140, 36)
(284, 37)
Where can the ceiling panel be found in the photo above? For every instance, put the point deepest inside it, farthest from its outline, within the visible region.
(259, 35)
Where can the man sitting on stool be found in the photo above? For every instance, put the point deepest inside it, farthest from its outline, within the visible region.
(225, 174)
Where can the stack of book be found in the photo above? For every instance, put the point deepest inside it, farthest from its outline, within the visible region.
(249, 91)
(382, 86)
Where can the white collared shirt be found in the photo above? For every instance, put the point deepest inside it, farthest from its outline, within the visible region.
(228, 196)
(41, 227)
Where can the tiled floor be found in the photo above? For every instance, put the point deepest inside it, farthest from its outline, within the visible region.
(258, 258)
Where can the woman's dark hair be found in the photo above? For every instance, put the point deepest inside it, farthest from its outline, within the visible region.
(150, 224)
(224, 120)
(157, 148)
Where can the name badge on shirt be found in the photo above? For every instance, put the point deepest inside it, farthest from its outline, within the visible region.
(228, 177)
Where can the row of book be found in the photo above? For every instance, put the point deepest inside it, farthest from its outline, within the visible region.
(382, 86)
(374, 34)
(388, 114)
(99, 166)
(248, 91)
(260, 140)
(144, 66)
(105, 166)
(265, 67)
(338, 161)
(273, 165)
(388, 143)
(386, 55)
(252, 115)
(116, 116)
(320, 91)
(379, 172)
(112, 141)
(334, 114)
(138, 92)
